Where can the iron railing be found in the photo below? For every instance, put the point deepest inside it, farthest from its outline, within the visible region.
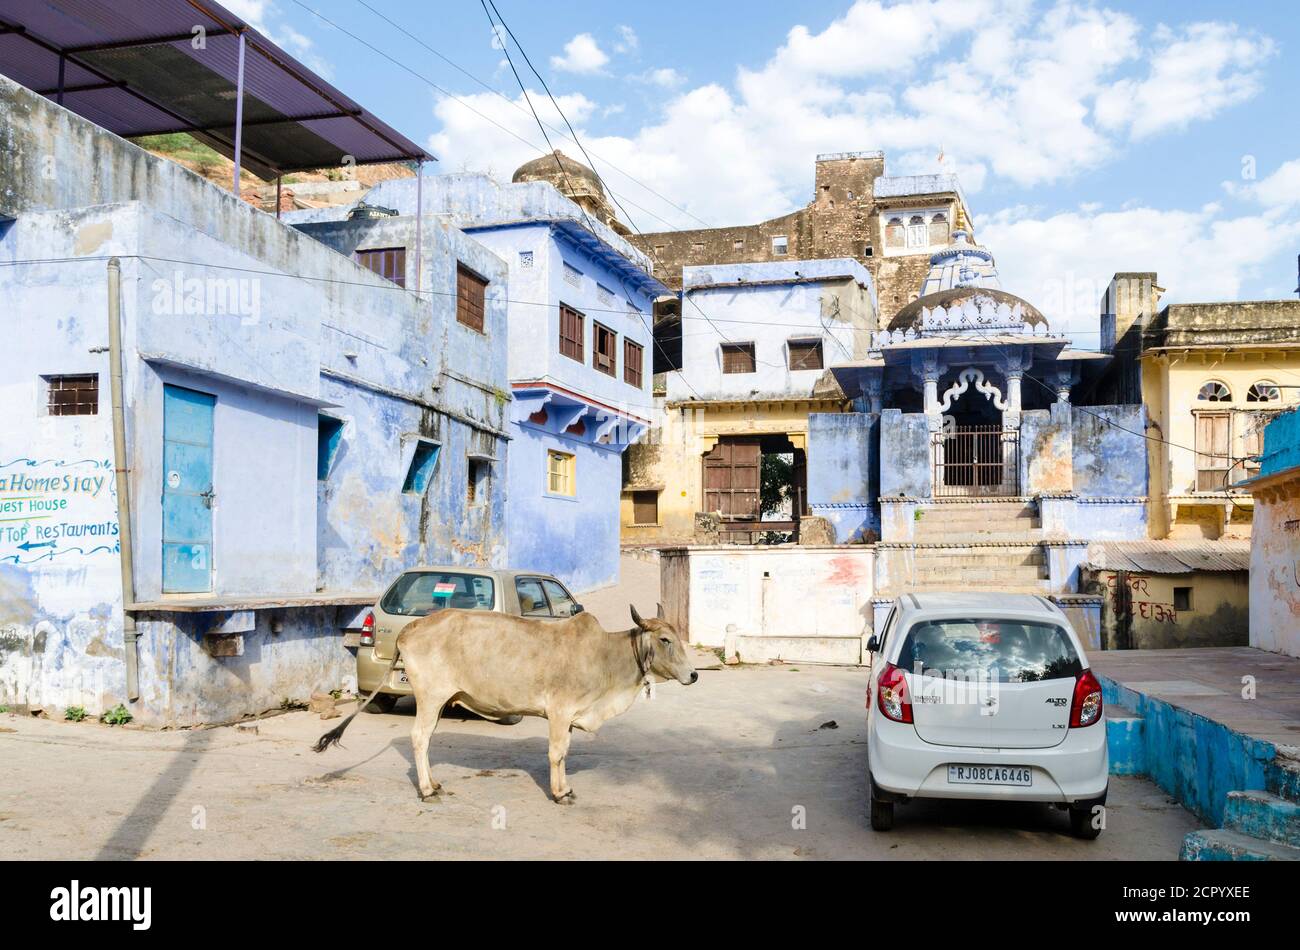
(976, 460)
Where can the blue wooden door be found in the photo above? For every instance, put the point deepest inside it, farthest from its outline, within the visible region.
(187, 491)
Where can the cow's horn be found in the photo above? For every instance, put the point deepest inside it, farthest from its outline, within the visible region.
(636, 617)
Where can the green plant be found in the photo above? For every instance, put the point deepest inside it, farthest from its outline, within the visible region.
(288, 704)
(4, 709)
(776, 476)
(119, 715)
(74, 713)
(336, 693)
(916, 514)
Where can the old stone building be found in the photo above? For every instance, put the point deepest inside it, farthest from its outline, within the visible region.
(576, 182)
(890, 225)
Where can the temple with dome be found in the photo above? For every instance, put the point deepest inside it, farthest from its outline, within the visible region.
(973, 431)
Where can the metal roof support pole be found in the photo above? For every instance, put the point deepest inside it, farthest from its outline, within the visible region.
(278, 179)
(419, 221)
(239, 113)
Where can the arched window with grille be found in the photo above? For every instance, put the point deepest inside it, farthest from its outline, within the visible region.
(1264, 391)
(1214, 391)
(939, 231)
(917, 235)
(895, 233)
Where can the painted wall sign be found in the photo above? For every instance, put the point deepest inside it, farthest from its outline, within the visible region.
(56, 508)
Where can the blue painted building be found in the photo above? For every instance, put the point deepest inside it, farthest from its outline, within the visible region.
(298, 428)
(580, 339)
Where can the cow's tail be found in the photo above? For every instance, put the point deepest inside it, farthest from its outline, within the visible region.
(334, 735)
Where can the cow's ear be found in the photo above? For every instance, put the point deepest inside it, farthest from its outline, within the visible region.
(636, 617)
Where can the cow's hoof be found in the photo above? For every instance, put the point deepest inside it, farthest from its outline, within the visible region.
(568, 798)
(431, 797)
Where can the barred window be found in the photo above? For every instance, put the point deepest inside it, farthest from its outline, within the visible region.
(738, 358)
(805, 354)
(73, 395)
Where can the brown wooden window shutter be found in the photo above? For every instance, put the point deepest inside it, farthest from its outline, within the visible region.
(738, 358)
(571, 344)
(632, 355)
(805, 354)
(471, 291)
(387, 262)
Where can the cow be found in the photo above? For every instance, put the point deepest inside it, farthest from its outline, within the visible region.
(570, 672)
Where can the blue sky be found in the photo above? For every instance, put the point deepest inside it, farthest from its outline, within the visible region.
(1089, 138)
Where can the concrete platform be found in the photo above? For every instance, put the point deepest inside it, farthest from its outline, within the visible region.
(1212, 682)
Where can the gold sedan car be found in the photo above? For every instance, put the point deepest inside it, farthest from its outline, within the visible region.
(422, 590)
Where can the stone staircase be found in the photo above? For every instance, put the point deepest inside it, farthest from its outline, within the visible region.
(1257, 826)
(974, 544)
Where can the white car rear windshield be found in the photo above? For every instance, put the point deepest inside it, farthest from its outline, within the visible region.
(1002, 651)
(422, 592)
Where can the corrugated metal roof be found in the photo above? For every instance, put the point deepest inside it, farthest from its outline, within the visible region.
(1169, 557)
(133, 69)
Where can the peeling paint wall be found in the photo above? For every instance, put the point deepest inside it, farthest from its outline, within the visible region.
(220, 297)
(905, 464)
(770, 592)
(1141, 612)
(769, 305)
(1275, 572)
(843, 472)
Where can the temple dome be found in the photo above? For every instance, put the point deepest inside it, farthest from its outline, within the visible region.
(982, 298)
(570, 178)
(576, 182)
(963, 276)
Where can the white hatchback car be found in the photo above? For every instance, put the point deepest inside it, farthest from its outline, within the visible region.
(984, 696)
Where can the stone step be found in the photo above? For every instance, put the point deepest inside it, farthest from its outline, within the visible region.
(976, 517)
(988, 576)
(1263, 815)
(977, 557)
(985, 533)
(1222, 844)
(842, 651)
(1126, 741)
(952, 584)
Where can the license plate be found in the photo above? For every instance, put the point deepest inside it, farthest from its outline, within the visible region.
(400, 678)
(989, 775)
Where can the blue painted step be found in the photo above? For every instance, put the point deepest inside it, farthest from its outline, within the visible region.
(1262, 815)
(1126, 739)
(1223, 844)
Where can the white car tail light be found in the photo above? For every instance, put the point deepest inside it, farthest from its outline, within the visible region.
(891, 693)
(1086, 707)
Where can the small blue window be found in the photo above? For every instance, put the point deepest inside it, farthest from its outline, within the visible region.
(329, 436)
(422, 463)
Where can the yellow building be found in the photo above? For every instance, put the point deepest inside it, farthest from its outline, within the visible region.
(666, 480)
(1212, 376)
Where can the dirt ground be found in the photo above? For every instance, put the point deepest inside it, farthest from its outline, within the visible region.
(731, 767)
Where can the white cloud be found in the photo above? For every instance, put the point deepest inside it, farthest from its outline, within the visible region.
(1013, 93)
(628, 41)
(1194, 74)
(582, 54)
(665, 77)
(1278, 191)
(265, 17)
(1063, 262)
